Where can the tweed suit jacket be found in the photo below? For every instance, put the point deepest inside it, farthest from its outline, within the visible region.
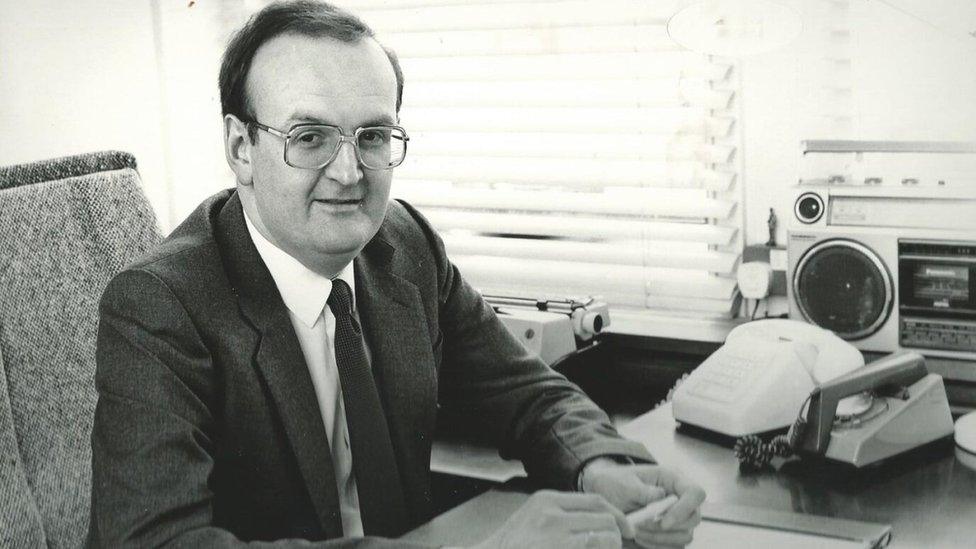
(207, 429)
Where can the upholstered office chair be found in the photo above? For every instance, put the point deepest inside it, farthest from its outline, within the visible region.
(66, 226)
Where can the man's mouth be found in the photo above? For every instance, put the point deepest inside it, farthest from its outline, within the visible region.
(339, 205)
(339, 201)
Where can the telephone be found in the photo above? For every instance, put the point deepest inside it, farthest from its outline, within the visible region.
(761, 377)
(908, 408)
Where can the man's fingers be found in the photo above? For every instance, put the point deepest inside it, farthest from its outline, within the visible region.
(690, 523)
(594, 502)
(678, 536)
(687, 505)
(592, 522)
(572, 501)
(623, 527)
(671, 482)
(650, 494)
(671, 538)
(655, 527)
(650, 474)
(575, 502)
(651, 512)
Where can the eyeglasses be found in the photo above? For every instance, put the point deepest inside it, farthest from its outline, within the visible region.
(314, 146)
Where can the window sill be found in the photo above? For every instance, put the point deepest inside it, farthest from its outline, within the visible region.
(645, 323)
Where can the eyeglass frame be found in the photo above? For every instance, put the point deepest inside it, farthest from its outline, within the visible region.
(351, 139)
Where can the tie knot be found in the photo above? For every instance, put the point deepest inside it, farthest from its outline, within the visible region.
(340, 299)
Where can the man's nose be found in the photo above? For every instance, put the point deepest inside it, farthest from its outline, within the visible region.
(345, 168)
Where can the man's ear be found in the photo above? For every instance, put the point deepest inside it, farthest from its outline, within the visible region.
(237, 148)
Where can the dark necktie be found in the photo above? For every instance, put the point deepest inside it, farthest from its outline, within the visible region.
(381, 501)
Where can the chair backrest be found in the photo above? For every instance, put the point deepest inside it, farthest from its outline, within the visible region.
(65, 167)
(20, 520)
(61, 240)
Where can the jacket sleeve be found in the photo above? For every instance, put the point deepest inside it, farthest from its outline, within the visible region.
(493, 385)
(154, 430)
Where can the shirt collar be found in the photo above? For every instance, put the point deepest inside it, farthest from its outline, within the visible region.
(304, 291)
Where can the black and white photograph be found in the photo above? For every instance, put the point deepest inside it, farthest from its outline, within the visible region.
(488, 274)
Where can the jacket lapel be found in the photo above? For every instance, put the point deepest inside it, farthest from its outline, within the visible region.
(280, 362)
(392, 315)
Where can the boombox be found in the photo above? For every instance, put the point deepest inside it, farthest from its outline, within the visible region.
(886, 268)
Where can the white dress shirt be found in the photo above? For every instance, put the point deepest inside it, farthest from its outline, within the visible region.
(306, 294)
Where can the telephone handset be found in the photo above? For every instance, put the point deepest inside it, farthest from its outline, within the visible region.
(760, 378)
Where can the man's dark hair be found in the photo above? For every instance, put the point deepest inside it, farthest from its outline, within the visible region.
(304, 17)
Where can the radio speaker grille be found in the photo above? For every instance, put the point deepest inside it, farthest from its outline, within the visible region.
(843, 286)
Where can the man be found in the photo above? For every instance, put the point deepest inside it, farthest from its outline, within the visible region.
(273, 371)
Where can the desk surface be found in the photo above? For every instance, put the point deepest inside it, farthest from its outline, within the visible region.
(927, 495)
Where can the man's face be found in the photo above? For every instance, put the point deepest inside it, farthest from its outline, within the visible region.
(332, 211)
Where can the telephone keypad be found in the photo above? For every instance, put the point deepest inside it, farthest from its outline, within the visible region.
(722, 381)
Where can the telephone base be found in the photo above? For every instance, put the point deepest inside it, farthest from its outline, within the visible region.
(722, 439)
(920, 418)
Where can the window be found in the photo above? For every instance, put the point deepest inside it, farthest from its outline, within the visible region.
(562, 150)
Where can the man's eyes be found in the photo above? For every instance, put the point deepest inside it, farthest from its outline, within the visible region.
(316, 138)
(310, 138)
(373, 137)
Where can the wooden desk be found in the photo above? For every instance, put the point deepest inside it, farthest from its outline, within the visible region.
(927, 495)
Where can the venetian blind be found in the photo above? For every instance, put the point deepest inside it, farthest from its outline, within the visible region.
(570, 148)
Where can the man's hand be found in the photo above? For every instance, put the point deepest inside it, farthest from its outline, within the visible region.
(561, 520)
(630, 487)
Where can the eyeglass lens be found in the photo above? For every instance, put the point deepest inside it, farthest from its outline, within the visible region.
(379, 148)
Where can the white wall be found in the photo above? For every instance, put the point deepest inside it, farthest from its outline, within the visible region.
(905, 80)
(79, 76)
(192, 40)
